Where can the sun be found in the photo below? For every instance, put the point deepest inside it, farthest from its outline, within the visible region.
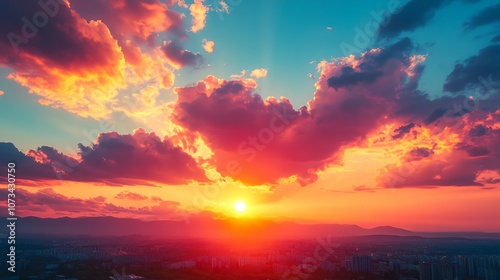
(240, 206)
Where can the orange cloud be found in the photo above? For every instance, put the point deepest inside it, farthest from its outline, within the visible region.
(130, 196)
(199, 13)
(81, 71)
(259, 73)
(101, 49)
(147, 67)
(208, 46)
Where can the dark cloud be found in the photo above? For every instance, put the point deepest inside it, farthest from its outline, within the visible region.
(402, 130)
(420, 152)
(436, 114)
(31, 169)
(350, 77)
(142, 156)
(180, 57)
(481, 72)
(473, 151)
(488, 15)
(371, 67)
(478, 130)
(116, 159)
(414, 14)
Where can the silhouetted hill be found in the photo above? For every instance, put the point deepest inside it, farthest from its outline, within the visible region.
(208, 228)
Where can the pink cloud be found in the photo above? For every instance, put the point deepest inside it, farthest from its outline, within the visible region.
(131, 19)
(260, 141)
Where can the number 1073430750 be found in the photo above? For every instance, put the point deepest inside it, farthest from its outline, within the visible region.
(11, 180)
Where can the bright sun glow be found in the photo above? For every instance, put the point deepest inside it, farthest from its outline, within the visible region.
(240, 206)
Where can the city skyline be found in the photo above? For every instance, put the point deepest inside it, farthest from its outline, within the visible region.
(374, 114)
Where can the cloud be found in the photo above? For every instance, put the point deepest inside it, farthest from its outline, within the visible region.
(488, 15)
(238, 76)
(35, 168)
(179, 57)
(351, 77)
(261, 141)
(402, 130)
(478, 130)
(329, 28)
(259, 73)
(420, 153)
(130, 196)
(84, 56)
(480, 72)
(70, 62)
(412, 15)
(258, 141)
(138, 158)
(223, 7)
(208, 46)
(131, 19)
(461, 153)
(363, 188)
(199, 13)
(48, 203)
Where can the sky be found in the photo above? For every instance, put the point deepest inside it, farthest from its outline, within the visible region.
(370, 113)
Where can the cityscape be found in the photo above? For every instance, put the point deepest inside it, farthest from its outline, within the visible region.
(366, 257)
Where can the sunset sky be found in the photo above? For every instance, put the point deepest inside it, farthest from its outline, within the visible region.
(368, 112)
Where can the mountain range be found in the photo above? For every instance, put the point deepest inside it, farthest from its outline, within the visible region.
(209, 228)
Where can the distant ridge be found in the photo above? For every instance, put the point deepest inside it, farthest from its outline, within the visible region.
(204, 228)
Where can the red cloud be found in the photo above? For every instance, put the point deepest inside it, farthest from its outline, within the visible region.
(260, 141)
